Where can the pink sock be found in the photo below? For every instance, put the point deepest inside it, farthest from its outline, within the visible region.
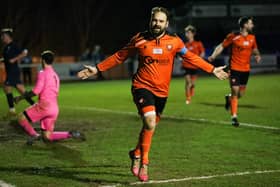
(59, 136)
(28, 128)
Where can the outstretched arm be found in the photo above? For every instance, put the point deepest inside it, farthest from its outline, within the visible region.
(89, 71)
(218, 50)
(205, 66)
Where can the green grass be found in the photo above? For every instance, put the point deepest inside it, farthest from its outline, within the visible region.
(182, 146)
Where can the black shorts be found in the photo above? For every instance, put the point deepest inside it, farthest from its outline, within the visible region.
(239, 78)
(143, 97)
(190, 71)
(12, 80)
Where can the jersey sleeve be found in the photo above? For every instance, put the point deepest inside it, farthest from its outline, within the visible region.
(201, 47)
(39, 83)
(194, 59)
(228, 40)
(119, 57)
(255, 45)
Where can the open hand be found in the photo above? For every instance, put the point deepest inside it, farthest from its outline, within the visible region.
(220, 73)
(87, 72)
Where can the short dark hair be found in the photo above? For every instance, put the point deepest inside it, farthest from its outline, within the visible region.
(190, 28)
(243, 20)
(47, 56)
(8, 31)
(160, 9)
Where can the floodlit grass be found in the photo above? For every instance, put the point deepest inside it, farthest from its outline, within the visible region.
(183, 146)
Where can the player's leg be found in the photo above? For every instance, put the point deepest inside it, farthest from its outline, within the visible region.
(47, 126)
(8, 89)
(24, 121)
(188, 86)
(244, 77)
(149, 125)
(135, 155)
(159, 107)
(21, 89)
(235, 85)
(145, 102)
(193, 80)
(32, 114)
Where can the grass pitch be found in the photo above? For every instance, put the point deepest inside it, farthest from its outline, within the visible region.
(191, 140)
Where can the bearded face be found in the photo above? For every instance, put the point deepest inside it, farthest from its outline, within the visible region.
(158, 24)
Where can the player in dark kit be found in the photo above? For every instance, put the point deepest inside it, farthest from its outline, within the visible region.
(12, 54)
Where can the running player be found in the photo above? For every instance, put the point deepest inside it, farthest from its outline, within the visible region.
(12, 55)
(191, 70)
(46, 110)
(150, 84)
(243, 44)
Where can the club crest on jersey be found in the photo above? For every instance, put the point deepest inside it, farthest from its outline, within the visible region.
(169, 47)
(157, 51)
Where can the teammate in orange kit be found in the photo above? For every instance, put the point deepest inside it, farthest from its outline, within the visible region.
(243, 44)
(150, 84)
(191, 70)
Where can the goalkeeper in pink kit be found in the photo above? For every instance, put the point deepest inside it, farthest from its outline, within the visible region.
(46, 110)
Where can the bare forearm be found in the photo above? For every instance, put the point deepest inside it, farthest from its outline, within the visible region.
(218, 50)
(256, 52)
(19, 57)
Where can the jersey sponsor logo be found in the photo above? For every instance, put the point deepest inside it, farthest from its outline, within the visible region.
(150, 60)
(246, 43)
(157, 51)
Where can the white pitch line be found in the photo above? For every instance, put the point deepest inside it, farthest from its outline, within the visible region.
(205, 177)
(171, 117)
(4, 184)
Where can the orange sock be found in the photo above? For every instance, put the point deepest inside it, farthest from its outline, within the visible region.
(234, 105)
(146, 145)
(137, 150)
(188, 95)
(192, 91)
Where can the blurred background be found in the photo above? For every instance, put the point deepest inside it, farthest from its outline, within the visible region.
(87, 31)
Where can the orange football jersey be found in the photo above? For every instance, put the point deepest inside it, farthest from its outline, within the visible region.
(241, 50)
(156, 58)
(197, 48)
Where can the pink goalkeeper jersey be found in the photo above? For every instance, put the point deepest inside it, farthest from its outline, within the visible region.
(47, 85)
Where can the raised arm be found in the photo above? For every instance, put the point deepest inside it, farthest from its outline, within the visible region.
(218, 50)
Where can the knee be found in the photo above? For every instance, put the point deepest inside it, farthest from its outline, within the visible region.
(21, 117)
(150, 122)
(47, 136)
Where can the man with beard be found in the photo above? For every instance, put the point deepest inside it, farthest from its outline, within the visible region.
(150, 84)
(243, 44)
